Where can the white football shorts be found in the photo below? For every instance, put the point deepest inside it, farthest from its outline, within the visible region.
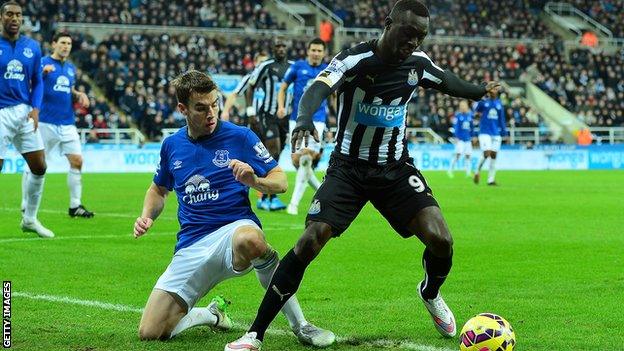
(489, 142)
(196, 269)
(63, 139)
(312, 144)
(18, 129)
(463, 147)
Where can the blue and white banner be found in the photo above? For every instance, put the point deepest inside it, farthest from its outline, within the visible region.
(130, 158)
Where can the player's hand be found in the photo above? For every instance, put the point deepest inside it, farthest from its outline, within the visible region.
(142, 225)
(492, 87)
(34, 115)
(243, 172)
(47, 69)
(301, 135)
(83, 99)
(281, 112)
(225, 115)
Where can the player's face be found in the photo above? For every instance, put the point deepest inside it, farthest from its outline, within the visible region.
(202, 112)
(12, 19)
(463, 107)
(406, 34)
(316, 52)
(62, 47)
(279, 50)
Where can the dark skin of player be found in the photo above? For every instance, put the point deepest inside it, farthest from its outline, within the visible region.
(401, 36)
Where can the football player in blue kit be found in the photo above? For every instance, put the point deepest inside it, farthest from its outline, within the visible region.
(211, 164)
(21, 92)
(463, 130)
(57, 121)
(491, 132)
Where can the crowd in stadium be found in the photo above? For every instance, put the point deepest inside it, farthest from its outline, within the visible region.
(609, 13)
(195, 13)
(462, 18)
(133, 70)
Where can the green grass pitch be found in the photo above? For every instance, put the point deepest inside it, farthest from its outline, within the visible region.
(545, 250)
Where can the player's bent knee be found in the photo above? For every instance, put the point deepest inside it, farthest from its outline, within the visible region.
(311, 243)
(249, 243)
(152, 332)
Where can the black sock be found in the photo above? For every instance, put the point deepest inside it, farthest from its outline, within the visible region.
(284, 284)
(264, 197)
(436, 270)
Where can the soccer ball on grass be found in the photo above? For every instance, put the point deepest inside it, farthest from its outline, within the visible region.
(487, 332)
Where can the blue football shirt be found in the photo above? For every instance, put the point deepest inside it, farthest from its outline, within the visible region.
(57, 92)
(492, 120)
(463, 127)
(20, 72)
(302, 74)
(197, 170)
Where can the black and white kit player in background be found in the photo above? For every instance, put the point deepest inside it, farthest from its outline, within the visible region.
(374, 82)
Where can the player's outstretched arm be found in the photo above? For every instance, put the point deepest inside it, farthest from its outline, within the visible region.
(274, 182)
(153, 205)
(229, 102)
(281, 100)
(455, 86)
(310, 102)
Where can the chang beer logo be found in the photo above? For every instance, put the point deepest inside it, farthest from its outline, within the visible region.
(377, 115)
(62, 85)
(197, 189)
(14, 70)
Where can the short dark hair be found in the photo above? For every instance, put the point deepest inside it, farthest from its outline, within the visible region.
(191, 82)
(414, 6)
(59, 35)
(9, 3)
(317, 41)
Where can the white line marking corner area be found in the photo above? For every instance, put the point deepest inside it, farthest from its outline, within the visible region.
(379, 343)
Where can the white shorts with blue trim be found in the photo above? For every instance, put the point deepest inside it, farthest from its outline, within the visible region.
(62, 139)
(489, 142)
(463, 147)
(17, 129)
(196, 269)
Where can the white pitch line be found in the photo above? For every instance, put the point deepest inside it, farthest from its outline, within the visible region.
(80, 237)
(379, 343)
(274, 226)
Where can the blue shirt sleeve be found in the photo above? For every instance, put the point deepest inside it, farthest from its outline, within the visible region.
(291, 74)
(163, 176)
(501, 119)
(36, 97)
(257, 155)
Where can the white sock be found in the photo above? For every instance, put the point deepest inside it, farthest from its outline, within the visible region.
(265, 266)
(453, 162)
(492, 172)
(74, 182)
(196, 316)
(467, 165)
(300, 186)
(34, 189)
(25, 176)
(312, 180)
(481, 162)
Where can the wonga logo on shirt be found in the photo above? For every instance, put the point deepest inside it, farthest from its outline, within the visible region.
(380, 115)
(14, 70)
(62, 85)
(197, 189)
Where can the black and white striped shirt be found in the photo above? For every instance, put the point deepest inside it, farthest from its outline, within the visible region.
(373, 98)
(266, 79)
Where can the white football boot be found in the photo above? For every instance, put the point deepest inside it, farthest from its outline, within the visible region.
(247, 342)
(218, 307)
(34, 226)
(292, 210)
(441, 314)
(309, 334)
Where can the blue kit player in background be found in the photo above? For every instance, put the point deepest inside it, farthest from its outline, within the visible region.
(57, 121)
(21, 92)
(302, 74)
(211, 164)
(463, 130)
(491, 131)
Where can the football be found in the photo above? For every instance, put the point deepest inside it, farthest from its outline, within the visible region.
(487, 332)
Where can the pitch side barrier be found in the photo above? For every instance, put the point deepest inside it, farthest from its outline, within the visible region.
(100, 158)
